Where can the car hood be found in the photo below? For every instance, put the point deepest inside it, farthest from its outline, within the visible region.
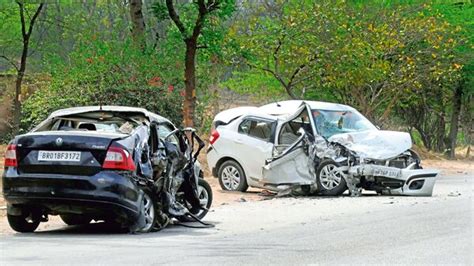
(375, 144)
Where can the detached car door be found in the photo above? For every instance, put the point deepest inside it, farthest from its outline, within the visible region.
(254, 144)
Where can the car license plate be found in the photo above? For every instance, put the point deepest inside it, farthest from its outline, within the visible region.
(387, 172)
(59, 156)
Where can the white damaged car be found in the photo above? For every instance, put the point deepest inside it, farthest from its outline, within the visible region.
(316, 146)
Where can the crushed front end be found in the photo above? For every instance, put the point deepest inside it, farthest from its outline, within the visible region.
(399, 174)
(393, 178)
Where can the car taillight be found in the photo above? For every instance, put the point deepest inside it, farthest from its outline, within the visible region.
(118, 159)
(214, 136)
(10, 156)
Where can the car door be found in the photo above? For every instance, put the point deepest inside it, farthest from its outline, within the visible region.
(290, 163)
(254, 144)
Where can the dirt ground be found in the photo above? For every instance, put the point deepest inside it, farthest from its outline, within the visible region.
(221, 197)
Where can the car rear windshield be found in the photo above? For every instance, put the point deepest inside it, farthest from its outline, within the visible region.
(108, 122)
(330, 122)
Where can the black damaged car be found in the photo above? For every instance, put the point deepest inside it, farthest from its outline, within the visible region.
(122, 165)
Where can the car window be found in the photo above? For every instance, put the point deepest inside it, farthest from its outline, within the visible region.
(289, 131)
(257, 128)
(164, 130)
(331, 122)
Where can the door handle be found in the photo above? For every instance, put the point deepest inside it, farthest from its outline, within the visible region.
(238, 141)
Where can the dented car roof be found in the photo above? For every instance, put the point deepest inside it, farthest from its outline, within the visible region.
(107, 108)
(277, 109)
(289, 107)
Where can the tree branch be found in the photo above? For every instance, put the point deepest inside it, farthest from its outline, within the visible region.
(10, 62)
(175, 17)
(212, 5)
(275, 53)
(295, 73)
(35, 16)
(200, 19)
(22, 18)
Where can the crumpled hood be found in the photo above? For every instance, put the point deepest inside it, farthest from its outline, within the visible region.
(375, 144)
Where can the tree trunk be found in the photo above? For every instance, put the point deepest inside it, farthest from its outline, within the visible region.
(453, 132)
(17, 102)
(138, 23)
(440, 133)
(424, 138)
(26, 34)
(189, 83)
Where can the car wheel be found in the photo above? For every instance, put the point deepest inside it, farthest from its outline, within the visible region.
(23, 223)
(148, 210)
(75, 219)
(330, 181)
(232, 177)
(205, 200)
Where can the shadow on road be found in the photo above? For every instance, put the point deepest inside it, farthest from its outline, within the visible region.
(104, 229)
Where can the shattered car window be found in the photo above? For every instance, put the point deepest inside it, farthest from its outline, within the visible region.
(329, 123)
(107, 122)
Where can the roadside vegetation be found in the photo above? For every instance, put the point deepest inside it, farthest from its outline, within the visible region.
(406, 65)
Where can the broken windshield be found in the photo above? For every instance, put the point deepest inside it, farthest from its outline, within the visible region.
(329, 123)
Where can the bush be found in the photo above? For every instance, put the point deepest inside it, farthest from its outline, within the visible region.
(108, 73)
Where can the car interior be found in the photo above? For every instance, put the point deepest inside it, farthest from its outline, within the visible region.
(289, 131)
(258, 129)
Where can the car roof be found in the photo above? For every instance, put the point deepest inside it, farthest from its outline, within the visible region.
(109, 108)
(277, 110)
(229, 114)
(291, 106)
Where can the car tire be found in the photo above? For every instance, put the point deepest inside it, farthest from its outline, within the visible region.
(75, 219)
(232, 177)
(205, 198)
(330, 182)
(148, 209)
(21, 224)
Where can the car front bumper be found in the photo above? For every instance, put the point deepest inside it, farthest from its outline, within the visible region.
(416, 182)
(107, 194)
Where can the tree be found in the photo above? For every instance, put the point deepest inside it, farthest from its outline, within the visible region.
(26, 31)
(377, 58)
(191, 29)
(459, 14)
(279, 39)
(138, 23)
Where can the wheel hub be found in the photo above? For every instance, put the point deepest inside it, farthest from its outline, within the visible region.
(231, 178)
(330, 177)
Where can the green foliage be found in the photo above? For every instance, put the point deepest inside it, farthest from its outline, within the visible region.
(389, 58)
(377, 56)
(107, 73)
(201, 29)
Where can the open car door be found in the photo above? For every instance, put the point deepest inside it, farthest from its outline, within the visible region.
(290, 162)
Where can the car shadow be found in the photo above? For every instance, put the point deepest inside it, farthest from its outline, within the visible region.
(365, 194)
(104, 229)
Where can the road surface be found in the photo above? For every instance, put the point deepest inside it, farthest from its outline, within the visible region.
(365, 230)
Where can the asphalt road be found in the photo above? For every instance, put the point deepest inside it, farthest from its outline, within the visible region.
(344, 230)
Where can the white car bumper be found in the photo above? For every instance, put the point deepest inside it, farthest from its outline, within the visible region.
(416, 182)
